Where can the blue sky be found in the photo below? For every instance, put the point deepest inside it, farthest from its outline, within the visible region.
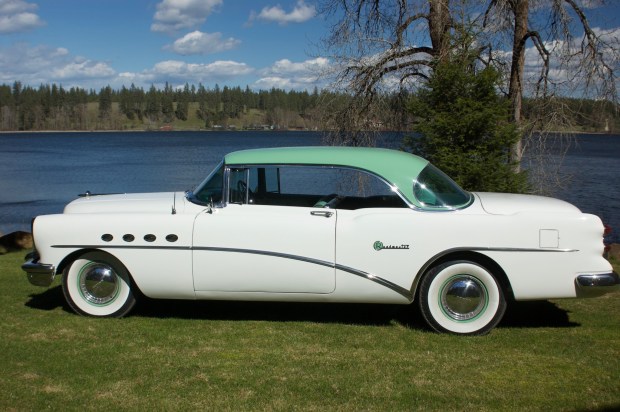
(94, 43)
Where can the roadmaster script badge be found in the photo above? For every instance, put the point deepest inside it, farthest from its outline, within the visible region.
(378, 245)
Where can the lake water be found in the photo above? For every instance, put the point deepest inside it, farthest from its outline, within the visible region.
(41, 172)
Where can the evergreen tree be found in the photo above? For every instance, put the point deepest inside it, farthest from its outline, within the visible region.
(153, 104)
(464, 126)
(167, 106)
(183, 99)
(105, 102)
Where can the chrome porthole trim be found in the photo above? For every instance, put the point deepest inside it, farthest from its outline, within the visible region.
(98, 283)
(463, 298)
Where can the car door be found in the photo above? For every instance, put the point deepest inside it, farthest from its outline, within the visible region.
(253, 243)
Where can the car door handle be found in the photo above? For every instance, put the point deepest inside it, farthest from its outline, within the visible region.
(323, 213)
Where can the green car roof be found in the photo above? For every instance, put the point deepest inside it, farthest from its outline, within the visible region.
(398, 168)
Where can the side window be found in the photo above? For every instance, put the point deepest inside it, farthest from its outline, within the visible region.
(324, 187)
(238, 189)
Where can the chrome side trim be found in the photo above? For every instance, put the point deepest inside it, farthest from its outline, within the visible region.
(383, 282)
(120, 247)
(516, 249)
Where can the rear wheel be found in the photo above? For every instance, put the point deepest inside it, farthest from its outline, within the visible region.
(97, 284)
(461, 297)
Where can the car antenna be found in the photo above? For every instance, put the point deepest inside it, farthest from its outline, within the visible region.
(174, 203)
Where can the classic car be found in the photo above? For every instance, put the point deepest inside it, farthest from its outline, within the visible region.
(324, 224)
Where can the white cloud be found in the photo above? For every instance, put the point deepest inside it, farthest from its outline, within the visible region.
(83, 69)
(198, 42)
(285, 74)
(17, 16)
(174, 15)
(179, 72)
(41, 64)
(301, 13)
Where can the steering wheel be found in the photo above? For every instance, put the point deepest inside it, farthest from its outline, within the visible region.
(242, 188)
(329, 201)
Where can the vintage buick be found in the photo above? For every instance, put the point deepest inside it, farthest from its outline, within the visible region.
(324, 224)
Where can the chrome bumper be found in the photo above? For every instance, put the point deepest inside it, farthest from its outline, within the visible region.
(596, 285)
(39, 274)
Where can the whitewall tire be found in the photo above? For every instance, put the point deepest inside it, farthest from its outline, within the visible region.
(97, 284)
(461, 297)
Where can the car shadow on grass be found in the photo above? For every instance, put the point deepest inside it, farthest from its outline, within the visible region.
(345, 313)
(537, 314)
(51, 299)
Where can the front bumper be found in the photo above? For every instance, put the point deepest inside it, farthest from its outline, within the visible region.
(39, 274)
(596, 285)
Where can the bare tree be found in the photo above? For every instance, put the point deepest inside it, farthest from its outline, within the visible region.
(380, 45)
(589, 67)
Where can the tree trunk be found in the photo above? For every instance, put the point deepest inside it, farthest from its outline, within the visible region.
(515, 91)
(439, 25)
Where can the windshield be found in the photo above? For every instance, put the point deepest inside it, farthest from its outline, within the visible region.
(435, 190)
(210, 191)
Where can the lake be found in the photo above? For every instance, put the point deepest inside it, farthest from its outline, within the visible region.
(41, 172)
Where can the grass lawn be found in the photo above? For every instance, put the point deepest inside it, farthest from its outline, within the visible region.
(171, 355)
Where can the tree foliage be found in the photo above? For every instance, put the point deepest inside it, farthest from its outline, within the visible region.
(51, 107)
(464, 126)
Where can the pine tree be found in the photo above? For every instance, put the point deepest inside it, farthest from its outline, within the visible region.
(464, 126)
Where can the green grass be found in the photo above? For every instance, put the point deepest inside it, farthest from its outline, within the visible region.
(171, 355)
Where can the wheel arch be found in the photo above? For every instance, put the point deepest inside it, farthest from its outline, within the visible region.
(469, 255)
(71, 257)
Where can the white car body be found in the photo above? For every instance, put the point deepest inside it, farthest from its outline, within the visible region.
(177, 246)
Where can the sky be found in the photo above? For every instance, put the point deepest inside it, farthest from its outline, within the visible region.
(95, 43)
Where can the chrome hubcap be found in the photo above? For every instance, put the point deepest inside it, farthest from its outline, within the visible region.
(98, 283)
(463, 297)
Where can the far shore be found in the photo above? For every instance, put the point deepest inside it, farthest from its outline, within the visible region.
(579, 132)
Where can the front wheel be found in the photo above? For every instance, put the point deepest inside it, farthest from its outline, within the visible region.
(461, 297)
(97, 284)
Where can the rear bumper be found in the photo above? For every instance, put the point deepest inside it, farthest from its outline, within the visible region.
(39, 274)
(596, 285)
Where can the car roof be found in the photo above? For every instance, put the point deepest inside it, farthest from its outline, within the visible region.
(396, 167)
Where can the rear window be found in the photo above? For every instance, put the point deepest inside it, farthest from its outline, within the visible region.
(435, 190)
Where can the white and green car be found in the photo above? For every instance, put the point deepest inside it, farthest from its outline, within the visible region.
(324, 224)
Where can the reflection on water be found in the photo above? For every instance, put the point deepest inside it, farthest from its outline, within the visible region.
(41, 172)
